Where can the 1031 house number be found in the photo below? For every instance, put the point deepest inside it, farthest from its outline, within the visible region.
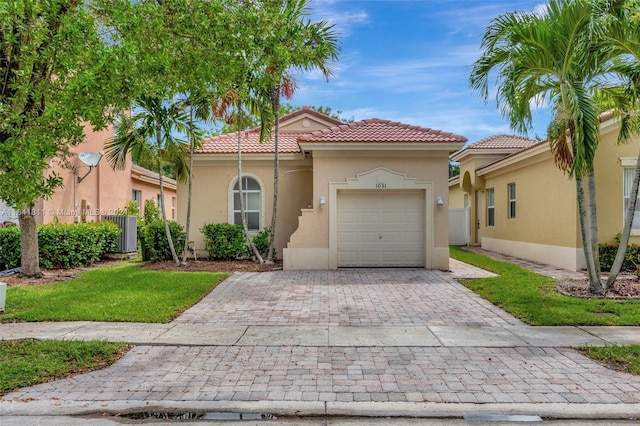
(381, 185)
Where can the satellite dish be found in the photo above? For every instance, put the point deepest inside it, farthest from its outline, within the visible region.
(89, 158)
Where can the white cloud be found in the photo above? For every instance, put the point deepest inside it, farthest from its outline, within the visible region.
(340, 15)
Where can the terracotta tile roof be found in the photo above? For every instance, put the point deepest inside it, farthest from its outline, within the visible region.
(228, 144)
(503, 142)
(376, 130)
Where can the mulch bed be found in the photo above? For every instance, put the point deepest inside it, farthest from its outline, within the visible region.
(625, 287)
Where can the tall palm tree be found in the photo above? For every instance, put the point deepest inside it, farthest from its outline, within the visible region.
(301, 45)
(622, 33)
(556, 57)
(152, 124)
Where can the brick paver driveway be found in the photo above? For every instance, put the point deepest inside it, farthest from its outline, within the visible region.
(352, 297)
(345, 299)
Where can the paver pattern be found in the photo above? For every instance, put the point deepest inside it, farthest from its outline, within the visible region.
(434, 374)
(355, 298)
(349, 298)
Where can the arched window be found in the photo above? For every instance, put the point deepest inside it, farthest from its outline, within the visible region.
(252, 196)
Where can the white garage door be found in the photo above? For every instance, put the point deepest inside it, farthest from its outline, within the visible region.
(381, 228)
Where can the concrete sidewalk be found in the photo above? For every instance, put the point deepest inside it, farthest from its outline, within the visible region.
(349, 342)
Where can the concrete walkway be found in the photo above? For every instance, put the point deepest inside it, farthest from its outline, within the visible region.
(391, 342)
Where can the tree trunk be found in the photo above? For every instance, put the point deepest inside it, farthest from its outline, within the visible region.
(594, 283)
(245, 227)
(167, 231)
(593, 227)
(29, 255)
(275, 102)
(626, 230)
(187, 225)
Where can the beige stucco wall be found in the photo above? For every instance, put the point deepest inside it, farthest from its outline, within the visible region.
(150, 191)
(456, 196)
(609, 181)
(335, 167)
(213, 180)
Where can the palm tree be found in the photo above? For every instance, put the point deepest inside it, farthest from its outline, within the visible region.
(303, 45)
(199, 109)
(152, 124)
(622, 23)
(555, 57)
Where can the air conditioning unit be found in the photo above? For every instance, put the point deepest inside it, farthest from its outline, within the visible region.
(128, 242)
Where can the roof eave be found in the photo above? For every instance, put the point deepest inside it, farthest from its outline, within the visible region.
(381, 146)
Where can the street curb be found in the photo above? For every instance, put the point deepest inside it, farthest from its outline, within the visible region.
(321, 408)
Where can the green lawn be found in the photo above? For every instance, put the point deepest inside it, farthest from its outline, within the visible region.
(30, 362)
(121, 293)
(533, 298)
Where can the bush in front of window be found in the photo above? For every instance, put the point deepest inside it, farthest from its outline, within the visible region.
(224, 241)
(261, 240)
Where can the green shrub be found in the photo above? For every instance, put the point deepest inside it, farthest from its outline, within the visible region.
(261, 240)
(71, 245)
(224, 241)
(153, 238)
(9, 247)
(151, 212)
(608, 252)
(62, 245)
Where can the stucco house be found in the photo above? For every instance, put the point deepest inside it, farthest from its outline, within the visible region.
(367, 194)
(518, 202)
(89, 193)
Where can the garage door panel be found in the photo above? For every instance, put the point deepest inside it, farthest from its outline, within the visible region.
(388, 229)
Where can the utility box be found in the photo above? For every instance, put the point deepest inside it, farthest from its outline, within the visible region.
(128, 242)
(3, 295)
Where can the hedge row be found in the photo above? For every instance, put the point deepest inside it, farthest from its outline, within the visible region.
(154, 243)
(62, 245)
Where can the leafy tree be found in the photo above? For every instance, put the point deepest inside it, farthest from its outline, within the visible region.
(150, 127)
(56, 72)
(454, 169)
(560, 57)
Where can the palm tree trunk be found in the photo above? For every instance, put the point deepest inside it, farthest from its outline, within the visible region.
(594, 282)
(29, 254)
(162, 207)
(190, 190)
(626, 230)
(275, 102)
(593, 228)
(245, 226)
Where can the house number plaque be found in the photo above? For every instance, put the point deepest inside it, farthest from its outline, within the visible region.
(381, 185)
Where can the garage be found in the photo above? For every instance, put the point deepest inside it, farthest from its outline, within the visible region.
(381, 228)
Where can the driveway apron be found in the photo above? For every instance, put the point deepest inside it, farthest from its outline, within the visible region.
(330, 315)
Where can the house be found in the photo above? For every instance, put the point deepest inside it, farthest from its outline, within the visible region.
(519, 203)
(365, 194)
(91, 192)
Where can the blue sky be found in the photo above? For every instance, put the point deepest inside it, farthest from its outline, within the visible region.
(409, 61)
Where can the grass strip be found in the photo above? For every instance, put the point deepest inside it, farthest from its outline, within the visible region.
(621, 358)
(31, 362)
(124, 292)
(533, 298)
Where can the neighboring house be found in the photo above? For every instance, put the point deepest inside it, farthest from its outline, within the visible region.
(520, 203)
(89, 193)
(367, 194)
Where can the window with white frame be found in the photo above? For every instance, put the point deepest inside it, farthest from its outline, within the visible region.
(628, 181)
(173, 208)
(512, 200)
(159, 202)
(137, 197)
(491, 211)
(252, 198)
